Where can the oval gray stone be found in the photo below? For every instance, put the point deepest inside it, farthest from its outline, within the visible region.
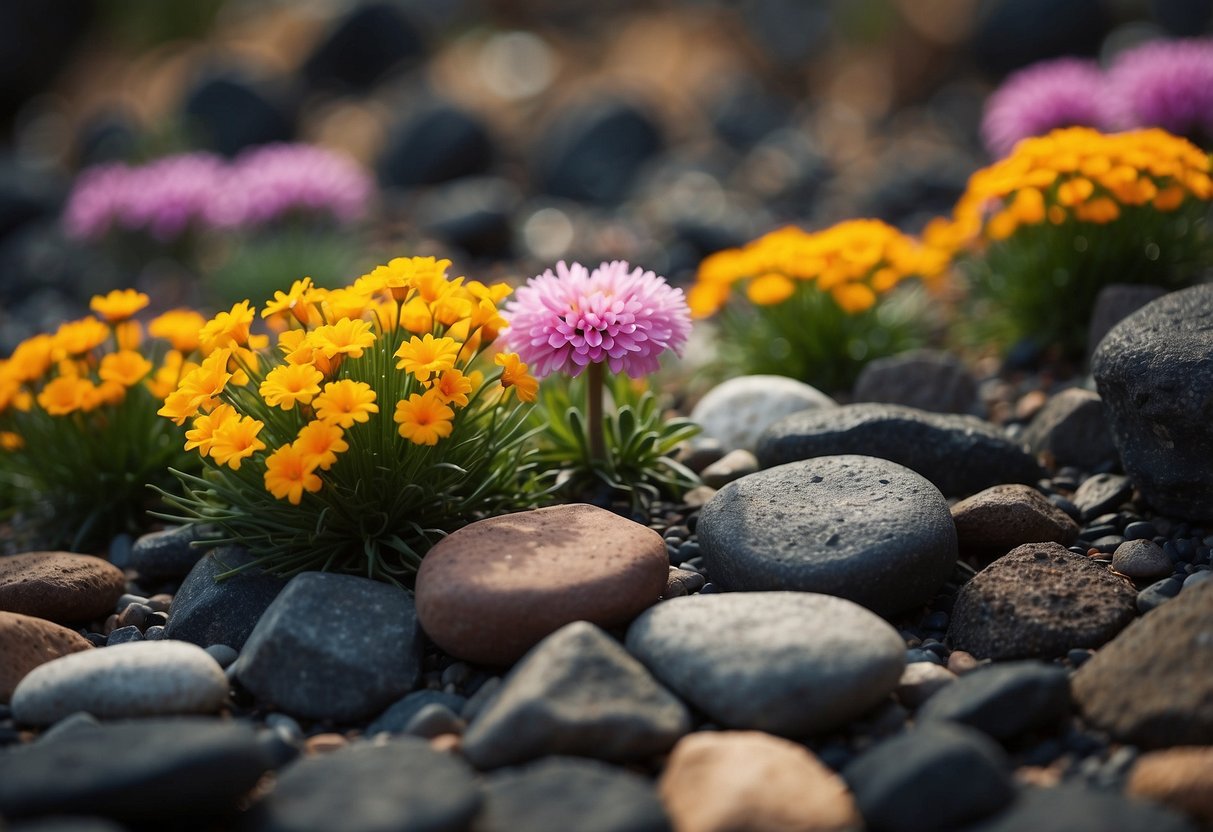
(1152, 371)
(853, 526)
(139, 678)
(737, 411)
(789, 663)
(959, 454)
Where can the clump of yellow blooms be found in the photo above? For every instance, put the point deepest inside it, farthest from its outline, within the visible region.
(1075, 173)
(854, 262)
(77, 414)
(400, 343)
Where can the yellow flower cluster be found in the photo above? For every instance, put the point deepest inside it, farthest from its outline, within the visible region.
(1074, 173)
(854, 261)
(332, 369)
(92, 363)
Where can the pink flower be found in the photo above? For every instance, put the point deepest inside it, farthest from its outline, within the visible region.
(1167, 84)
(1066, 92)
(573, 318)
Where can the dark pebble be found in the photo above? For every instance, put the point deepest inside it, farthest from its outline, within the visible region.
(1186, 548)
(1077, 656)
(935, 621)
(135, 614)
(1141, 530)
(917, 654)
(689, 550)
(222, 654)
(123, 635)
(1108, 543)
(1094, 532)
(153, 633)
(97, 639)
(709, 588)
(1156, 593)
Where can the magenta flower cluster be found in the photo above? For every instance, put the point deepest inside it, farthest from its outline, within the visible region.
(169, 196)
(1167, 84)
(567, 320)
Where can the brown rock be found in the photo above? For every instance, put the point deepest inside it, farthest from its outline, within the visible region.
(920, 680)
(59, 586)
(26, 643)
(748, 781)
(490, 591)
(1152, 685)
(324, 743)
(995, 521)
(960, 662)
(1141, 559)
(1038, 601)
(1182, 778)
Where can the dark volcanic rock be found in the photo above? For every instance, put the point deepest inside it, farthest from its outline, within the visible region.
(362, 47)
(1151, 685)
(934, 777)
(570, 793)
(853, 526)
(435, 143)
(1039, 601)
(147, 769)
(402, 785)
(207, 610)
(959, 454)
(925, 379)
(1070, 808)
(1113, 304)
(1072, 429)
(168, 554)
(229, 113)
(1152, 370)
(1003, 700)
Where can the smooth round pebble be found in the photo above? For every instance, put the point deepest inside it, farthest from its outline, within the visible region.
(59, 586)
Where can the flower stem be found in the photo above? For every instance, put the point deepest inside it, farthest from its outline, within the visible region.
(594, 397)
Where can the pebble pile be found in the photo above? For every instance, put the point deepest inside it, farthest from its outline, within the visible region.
(884, 618)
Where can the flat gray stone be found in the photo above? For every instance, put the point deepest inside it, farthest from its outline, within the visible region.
(576, 692)
(853, 526)
(1072, 429)
(402, 785)
(789, 663)
(1101, 494)
(959, 454)
(208, 610)
(926, 379)
(333, 647)
(168, 554)
(140, 678)
(396, 719)
(737, 411)
(1152, 370)
(1004, 700)
(151, 770)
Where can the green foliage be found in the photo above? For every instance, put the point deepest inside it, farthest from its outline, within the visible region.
(639, 443)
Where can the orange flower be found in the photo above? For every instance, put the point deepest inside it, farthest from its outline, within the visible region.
(288, 473)
(118, 305)
(514, 374)
(423, 418)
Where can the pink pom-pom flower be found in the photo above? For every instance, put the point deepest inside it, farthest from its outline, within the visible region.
(1066, 92)
(617, 315)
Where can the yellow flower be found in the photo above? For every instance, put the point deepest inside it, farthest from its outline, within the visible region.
(345, 402)
(289, 383)
(125, 367)
(1169, 199)
(415, 316)
(705, 299)
(168, 374)
(118, 305)
(179, 405)
(202, 435)
(180, 327)
(65, 395)
(426, 356)
(288, 473)
(296, 302)
(514, 374)
(1099, 210)
(128, 335)
(227, 329)
(344, 303)
(320, 442)
(32, 358)
(346, 337)
(453, 387)
(235, 440)
(10, 441)
(1028, 206)
(78, 337)
(853, 297)
(199, 389)
(770, 289)
(423, 418)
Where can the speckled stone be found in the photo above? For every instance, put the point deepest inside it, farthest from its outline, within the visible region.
(995, 521)
(1141, 559)
(26, 643)
(731, 780)
(141, 678)
(1151, 685)
(59, 586)
(1039, 601)
(492, 590)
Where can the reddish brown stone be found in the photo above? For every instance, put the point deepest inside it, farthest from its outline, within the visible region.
(26, 643)
(1181, 778)
(59, 586)
(995, 521)
(492, 590)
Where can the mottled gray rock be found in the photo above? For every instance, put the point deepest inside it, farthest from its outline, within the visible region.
(925, 379)
(959, 454)
(994, 521)
(207, 610)
(142, 678)
(396, 718)
(1141, 559)
(576, 692)
(1039, 601)
(143, 770)
(1071, 808)
(1152, 371)
(1151, 685)
(853, 526)
(1072, 429)
(1004, 700)
(789, 663)
(732, 466)
(570, 793)
(401, 785)
(938, 776)
(736, 412)
(168, 554)
(333, 647)
(1102, 493)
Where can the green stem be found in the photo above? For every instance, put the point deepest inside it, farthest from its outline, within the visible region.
(594, 396)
